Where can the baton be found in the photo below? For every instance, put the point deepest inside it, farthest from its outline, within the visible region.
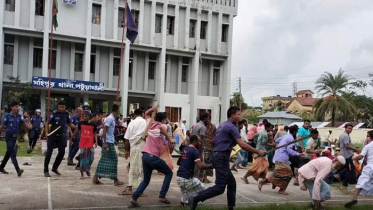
(285, 145)
(54, 131)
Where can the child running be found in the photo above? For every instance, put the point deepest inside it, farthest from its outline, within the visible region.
(88, 137)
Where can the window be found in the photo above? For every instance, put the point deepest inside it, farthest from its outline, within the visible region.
(184, 73)
(135, 16)
(224, 33)
(8, 49)
(170, 25)
(39, 7)
(192, 28)
(54, 55)
(10, 5)
(93, 63)
(120, 17)
(216, 76)
(158, 23)
(116, 64)
(151, 74)
(173, 113)
(38, 58)
(186, 60)
(78, 62)
(203, 29)
(96, 14)
(153, 57)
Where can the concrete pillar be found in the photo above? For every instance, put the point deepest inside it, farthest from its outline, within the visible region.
(43, 103)
(134, 72)
(176, 27)
(152, 24)
(211, 74)
(32, 14)
(1, 55)
(146, 81)
(179, 74)
(227, 73)
(194, 88)
(58, 60)
(97, 64)
(87, 51)
(115, 21)
(209, 30)
(141, 21)
(168, 76)
(72, 61)
(187, 23)
(220, 24)
(124, 79)
(111, 62)
(30, 58)
(15, 56)
(85, 98)
(47, 20)
(103, 18)
(17, 13)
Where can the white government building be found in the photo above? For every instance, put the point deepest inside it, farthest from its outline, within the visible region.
(181, 58)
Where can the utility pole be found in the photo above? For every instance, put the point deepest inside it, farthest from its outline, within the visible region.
(294, 88)
(239, 86)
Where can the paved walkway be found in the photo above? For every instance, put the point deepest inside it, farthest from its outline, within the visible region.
(34, 191)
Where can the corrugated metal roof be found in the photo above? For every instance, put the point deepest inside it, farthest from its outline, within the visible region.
(283, 114)
(313, 124)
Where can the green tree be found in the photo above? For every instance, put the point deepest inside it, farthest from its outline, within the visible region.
(331, 87)
(20, 92)
(235, 101)
(251, 116)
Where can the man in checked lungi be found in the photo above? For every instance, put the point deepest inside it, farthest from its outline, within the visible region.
(108, 165)
(188, 184)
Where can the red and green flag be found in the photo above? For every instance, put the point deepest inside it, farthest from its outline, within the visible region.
(54, 13)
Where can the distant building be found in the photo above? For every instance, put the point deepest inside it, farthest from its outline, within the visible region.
(304, 94)
(280, 118)
(301, 105)
(272, 101)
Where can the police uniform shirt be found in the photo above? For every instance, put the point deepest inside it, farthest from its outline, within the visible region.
(36, 121)
(12, 123)
(59, 119)
(75, 120)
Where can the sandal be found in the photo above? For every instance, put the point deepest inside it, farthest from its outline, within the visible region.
(118, 183)
(126, 191)
(165, 201)
(350, 204)
(133, 204)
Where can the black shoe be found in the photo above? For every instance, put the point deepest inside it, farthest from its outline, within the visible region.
(192, 203)
(20, 172)
(70, 162)
(46, 174)
(29, 151)
(56, 172)
(3, 171)
(88, 173)
(77, 158)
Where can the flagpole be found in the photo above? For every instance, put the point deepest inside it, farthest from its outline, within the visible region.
(121, 49)
(50, 63)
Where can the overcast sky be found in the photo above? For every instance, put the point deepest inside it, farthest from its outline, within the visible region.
(276, 43)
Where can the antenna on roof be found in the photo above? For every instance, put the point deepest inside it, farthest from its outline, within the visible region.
(294, 88)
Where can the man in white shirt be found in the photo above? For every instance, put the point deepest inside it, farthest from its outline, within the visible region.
(134, 145)
(183, 127)
(364, 184)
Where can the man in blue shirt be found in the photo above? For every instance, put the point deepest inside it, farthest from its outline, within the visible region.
(302, 132)
(12, 121)
(59, 121)
(36, 121)
(227, 136)
(74, 144)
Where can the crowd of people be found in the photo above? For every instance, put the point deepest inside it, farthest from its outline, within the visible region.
(149, 139)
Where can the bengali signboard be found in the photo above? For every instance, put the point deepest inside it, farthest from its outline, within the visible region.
(67, 84)
(72, 2)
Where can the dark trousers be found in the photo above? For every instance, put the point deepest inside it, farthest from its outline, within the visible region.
(249, 154)
(34, 136)
(55, 142)
(10, 153)
(348, 174)
(150, 163)
(74, 148)
(224, 177)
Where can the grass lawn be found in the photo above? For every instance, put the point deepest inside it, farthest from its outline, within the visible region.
(22, 152)
(281, 207)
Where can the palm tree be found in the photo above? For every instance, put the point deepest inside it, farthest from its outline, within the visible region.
(331, 88)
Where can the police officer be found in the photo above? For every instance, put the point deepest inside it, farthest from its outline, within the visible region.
(36, 121)
(59, 121)
(12, 121)
(74, 145)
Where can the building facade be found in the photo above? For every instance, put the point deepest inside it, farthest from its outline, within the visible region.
(181, 58)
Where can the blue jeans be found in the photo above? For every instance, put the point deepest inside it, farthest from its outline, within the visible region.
(224, 178)
(324, 190)
(74, 148)
(244, 156)
(150, 163)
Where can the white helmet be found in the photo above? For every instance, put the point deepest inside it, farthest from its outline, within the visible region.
(38, 110)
